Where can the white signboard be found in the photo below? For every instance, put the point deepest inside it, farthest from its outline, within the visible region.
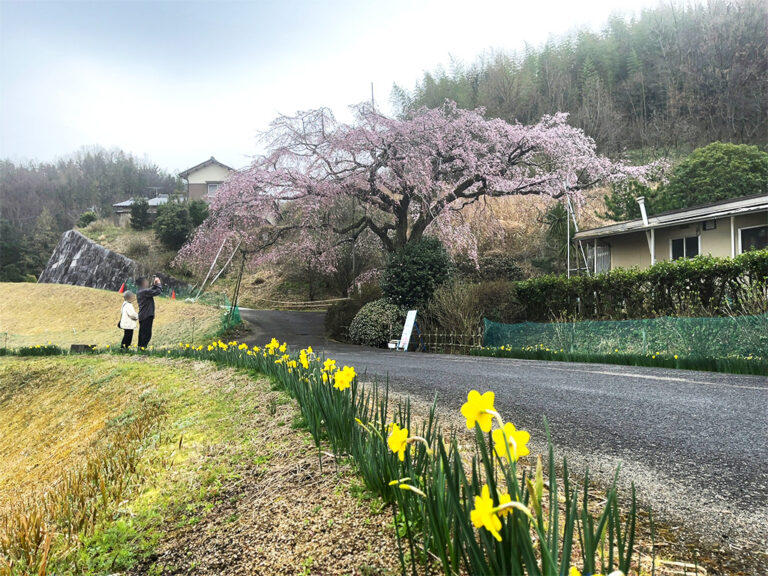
(410, 320)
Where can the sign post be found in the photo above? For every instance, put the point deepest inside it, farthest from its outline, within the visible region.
(405, 338)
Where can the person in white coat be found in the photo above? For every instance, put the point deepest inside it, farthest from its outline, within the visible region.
(128, 319)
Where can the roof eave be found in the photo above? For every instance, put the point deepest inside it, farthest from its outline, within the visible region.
(664, 221)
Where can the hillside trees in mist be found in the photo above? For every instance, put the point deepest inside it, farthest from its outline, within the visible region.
(44, 199)
(676, 77)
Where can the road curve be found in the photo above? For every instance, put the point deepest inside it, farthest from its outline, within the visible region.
(695, 444)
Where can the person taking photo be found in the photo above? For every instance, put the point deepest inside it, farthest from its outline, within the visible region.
(146, 298)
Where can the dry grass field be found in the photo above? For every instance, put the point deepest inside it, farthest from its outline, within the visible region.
(113, 464)
(32, 314)
(51, 413)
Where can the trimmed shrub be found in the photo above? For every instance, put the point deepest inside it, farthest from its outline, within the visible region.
(703, 286)
(414, 272)
(377, 323)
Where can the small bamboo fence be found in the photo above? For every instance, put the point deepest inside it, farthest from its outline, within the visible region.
(449, 343)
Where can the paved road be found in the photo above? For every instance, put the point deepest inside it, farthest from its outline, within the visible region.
(695, 444)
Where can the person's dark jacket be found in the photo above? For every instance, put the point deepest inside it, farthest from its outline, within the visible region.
(146, 300)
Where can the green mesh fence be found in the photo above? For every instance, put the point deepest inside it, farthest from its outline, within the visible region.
(691, 337)
(232, 318)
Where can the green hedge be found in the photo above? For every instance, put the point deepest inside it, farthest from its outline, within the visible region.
(704, 283)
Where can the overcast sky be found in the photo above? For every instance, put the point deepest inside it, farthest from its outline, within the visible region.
(177, 82)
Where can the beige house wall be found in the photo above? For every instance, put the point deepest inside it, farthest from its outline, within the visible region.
(212, 173)
(197, 182)
(197, 191)
(631, 250)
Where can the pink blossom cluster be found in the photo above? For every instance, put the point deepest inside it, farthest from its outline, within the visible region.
(394, 179)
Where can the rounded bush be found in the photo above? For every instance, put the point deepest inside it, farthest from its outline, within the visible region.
(86, 218)
(377, 323)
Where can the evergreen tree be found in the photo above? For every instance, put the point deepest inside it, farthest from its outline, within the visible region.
(140, 214)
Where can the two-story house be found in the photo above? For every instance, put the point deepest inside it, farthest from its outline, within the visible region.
(204, 179)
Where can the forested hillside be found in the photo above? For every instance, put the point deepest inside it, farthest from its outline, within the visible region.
(675, 77)
(38, 201)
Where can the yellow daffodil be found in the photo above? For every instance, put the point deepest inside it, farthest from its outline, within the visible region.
(516, 440)
(304, 359)
(398, 441)
(484, 513)
(478, 409)
(504, 499)
(283, 347)
(575, 572)
(325, 377)
(272, 346)
(343, 378)
(329, 365)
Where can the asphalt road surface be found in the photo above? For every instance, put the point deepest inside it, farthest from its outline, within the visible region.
(695, 444)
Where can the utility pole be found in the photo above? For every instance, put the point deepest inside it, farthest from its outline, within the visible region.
(373, 103)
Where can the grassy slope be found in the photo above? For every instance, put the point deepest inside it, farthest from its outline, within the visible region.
(224, 475)
(33, 314)
(40, 438)
(140, 245)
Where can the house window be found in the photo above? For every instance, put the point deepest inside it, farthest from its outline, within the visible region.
(212, 189)
(603, 263)
(754, 238)
(687, 247)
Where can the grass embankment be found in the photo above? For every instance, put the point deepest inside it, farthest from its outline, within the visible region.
(32, 314)
(149, 465)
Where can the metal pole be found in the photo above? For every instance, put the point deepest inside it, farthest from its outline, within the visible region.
(568, 240)
(594, 257)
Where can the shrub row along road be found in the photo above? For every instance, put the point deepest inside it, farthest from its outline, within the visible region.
(695, 444)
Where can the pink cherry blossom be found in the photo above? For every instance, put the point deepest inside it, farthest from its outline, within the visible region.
(393, 179)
